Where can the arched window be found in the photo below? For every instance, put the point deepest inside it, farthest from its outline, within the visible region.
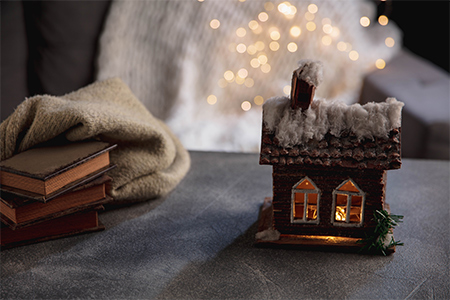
(348, 205)
(305, 202)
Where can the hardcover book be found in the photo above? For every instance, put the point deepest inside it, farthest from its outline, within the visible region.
(46, 170)
(19, 212)
(82, 222)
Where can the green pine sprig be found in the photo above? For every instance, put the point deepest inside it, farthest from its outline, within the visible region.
(386, 222)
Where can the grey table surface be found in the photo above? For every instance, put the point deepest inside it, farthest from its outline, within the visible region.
(197, 243)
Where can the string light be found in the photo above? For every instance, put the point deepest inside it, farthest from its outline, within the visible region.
(311, 26)
(389, 42)
(253, 25)
(265, 68)
(243, 73)
(263, 16)
(262, 59)
(287, 90)
(292, 47)
(309, 16)
(214, 24)
(383, 20)
(326, 40)
(341, 46)
(251, 49)
(241, 32)
(312, 8)
(229, 76)
(255, 63)
(259, 100)
(246, 106)
(380, 64)
(241, 48)
(275, 35)
(295, 31)
(249, 82)
(239, 80)
(274, 46)
(212, 99)
(327, 28)
(364, 21)
(260, 45)
(268, 6)
(353, 55)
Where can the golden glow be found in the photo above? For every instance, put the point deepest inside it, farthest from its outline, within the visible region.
(311, 26)
(263, 16)
(240, 80)
(389, 42)
(312, 8)
(295, 31)
(253, 25)
(241, 48)
(353, 55)
(246, 106)
(326, 21)
(214, 24)
(211, 99)
(292, 47)
(200, 0)
(262, 59)
(249, 82)
(269, 6)
(380, 64)
(309, 16)
(266, 68)
(259, 100)
(349, 187)
(364, 21)
(274, 46)
(251, 49)
(243, 73)
(287, 9)
(383, 20)
(255, 63)
(340, 213)
(335, 32)
(232, 47)
(342, 46)
(241, 32)
(229, 76)
(275, 35)
(287, 89)
(327, 28)
(260, 46)
(326, 40)
(222, 83)
(241, 0)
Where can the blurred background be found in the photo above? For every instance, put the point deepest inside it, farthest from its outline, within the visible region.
(206, 67)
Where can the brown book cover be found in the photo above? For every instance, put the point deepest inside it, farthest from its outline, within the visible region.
(86, 221)
(19, 212)
(45, 170)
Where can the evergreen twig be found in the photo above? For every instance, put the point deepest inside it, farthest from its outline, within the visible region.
(386, 222)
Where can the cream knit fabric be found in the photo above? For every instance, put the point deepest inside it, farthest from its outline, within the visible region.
(150, 159)
(171, 58)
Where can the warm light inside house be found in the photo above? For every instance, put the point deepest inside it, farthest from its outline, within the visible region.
(306, 199)
(349, 204)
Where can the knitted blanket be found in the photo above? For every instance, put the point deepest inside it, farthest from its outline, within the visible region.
(150, 159)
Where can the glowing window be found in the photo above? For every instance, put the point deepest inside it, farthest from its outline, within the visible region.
(348, 205)
(305, 202)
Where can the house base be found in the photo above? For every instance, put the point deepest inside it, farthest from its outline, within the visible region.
(268, 237)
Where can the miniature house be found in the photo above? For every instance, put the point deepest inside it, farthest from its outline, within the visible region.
(329, 164)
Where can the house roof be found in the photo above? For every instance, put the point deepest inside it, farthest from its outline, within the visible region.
(332, 133)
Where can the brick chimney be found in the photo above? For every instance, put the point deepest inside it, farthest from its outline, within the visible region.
(302, 92)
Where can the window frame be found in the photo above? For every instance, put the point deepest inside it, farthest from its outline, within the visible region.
(349, 204)
(294, 191)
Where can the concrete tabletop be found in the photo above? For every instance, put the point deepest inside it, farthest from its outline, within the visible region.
(197, 243)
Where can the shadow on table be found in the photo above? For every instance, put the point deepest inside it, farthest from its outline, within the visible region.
(245, 271)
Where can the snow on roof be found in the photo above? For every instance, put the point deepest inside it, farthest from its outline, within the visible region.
(310, 71)
(294, 127)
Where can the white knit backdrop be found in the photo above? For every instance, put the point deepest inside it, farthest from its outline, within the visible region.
(172, 59)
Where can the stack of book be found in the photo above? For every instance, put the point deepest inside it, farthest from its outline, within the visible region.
(53, 191)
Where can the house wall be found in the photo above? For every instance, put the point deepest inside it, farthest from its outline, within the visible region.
(371, 182)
